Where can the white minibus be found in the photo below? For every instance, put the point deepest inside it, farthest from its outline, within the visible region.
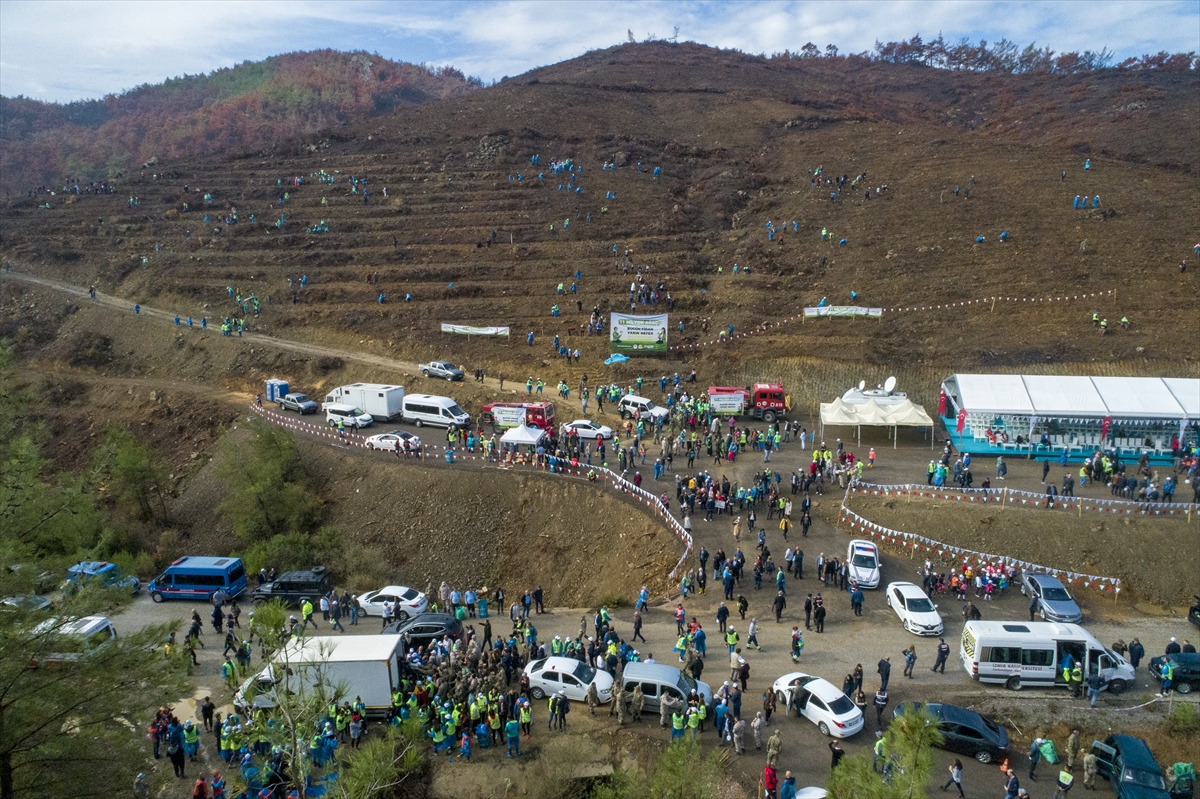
(1018, 654)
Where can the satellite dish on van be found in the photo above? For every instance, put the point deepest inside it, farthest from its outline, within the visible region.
(889, 384)
(862, 384)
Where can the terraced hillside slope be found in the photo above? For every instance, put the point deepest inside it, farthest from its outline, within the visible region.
(478, 234)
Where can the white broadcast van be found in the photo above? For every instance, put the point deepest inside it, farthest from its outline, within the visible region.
(1020, 654)
(383, 402)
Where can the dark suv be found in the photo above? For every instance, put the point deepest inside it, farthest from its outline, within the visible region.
(965, 731)
(1187, 670)
(425, 628)
(292, 588)
(1129, 765)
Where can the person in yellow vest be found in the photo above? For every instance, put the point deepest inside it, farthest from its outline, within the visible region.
(1077, 680)
(677, 724)
(877, 754)
(693, 723)
(306, 607)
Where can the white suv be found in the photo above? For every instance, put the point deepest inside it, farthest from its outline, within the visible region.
(350, 415)
(635, 407)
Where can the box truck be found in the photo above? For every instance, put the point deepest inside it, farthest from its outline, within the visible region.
(384, 403)
(506, 415)
(367, 666)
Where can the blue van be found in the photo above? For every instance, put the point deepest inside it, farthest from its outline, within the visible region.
(193, 577)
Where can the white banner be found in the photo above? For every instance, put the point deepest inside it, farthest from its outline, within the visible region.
(471, 330)
(638, 333)
(508, 417)
(842, 310)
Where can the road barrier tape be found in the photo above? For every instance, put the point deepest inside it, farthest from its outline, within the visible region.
(767, 326)
(551, 464)
(915, 543)
(1014, 496)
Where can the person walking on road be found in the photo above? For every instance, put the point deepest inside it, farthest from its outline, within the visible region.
(955, 777)
(884, 671)
(943, 652)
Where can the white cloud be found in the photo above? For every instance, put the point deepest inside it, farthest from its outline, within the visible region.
(67, 50)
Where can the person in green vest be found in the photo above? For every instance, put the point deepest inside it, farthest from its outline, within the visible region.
(440, 741)
(229, 672)
(693, 723)
(191, 740)
(677, 724)
(1077, 680)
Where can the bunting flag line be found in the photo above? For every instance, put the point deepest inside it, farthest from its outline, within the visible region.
(1014, 496)
(918, 543)
(989, 301)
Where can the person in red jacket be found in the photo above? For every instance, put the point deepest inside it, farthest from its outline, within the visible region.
(770, 781)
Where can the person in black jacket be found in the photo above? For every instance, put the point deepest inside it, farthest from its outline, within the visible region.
(1136, 652)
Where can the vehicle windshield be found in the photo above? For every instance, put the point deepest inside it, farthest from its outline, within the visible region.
(686, 683)
(1056, 595)
(584, 673)
(919, 605)
(457, 411)
(650, 405)
(863, 561)
(1147, 779)
(357, 412)
(841, 705)
(299, 398)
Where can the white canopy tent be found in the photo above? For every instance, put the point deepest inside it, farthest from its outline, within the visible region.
(1075, 397)
(872, 414)
(523, 435)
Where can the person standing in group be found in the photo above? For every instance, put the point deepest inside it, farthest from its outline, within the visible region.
(955, 777)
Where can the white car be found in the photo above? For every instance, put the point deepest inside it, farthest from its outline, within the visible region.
(820, 701)
(587, 429)
(393, 440)
(405, 602)
(553, 674)
(862, 563)
(916, 610)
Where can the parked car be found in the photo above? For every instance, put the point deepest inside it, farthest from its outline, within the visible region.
(26, 603)
(964, 731)
(406, 602)
(72, 639)
(862, 563)
(918, 613)
(349, 415)
(634, 407)
(572, 677)
(297, 402)
(1187, 670)
(1129, 765)
(820, 701)
(658, 680)
(1054, 600)
(109, 574)
(394, 440)
(443, 369)
(425, 628)
(292, 588)
(587, 429)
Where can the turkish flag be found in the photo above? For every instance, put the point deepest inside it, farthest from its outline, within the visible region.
(962, 420)
(1104, 427)
(942, 404)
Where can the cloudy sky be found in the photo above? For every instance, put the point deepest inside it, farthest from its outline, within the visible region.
(64, 51)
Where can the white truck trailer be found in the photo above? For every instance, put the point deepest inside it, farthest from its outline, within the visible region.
(367, 666)
(385, 403)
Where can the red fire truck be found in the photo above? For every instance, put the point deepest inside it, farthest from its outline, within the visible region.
(766, 401)
(504, 415)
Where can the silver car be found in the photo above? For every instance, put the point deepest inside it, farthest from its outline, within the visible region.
(1054, 601)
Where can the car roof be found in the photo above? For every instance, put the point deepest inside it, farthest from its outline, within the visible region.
(91, 567)
(1045, 579)
(393, 589)
(860, 543)
(907, 589)
(1189, 658)
(1135, 752)
(305, 574)
(430, 618)
(652, 671)
(557, 663)
(85, 626)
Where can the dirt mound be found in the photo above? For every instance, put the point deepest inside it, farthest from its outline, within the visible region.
(1148, 554)
(470, 526)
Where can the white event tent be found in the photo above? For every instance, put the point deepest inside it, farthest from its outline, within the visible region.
(872, 414)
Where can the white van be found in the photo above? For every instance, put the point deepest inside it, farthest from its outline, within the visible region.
(1018, 654)
(350, 415)
(423, 409)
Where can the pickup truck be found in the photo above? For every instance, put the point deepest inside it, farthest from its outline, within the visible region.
(441, 369)
(297, 402)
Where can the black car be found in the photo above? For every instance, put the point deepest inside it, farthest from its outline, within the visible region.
(965, 731)
(292, 588)
(425, 628)
(1187, 670)
(1129, 765)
